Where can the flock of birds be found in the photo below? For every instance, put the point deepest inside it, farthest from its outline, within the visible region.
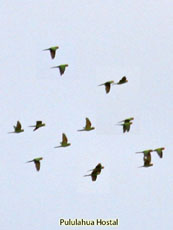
(126, 124)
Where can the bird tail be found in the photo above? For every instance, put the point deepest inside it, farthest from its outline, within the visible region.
(80, 130)
(121, 121)
(45, 49)
(139, 152)
(58, 146)
(29, 161)
(11, 132)
(90, 170)
(87, 175)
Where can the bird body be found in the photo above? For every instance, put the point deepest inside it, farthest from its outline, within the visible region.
(64, 142)
(17, 128)
(61, 68)
(88, 126)
(107, 85)
(38, 125)
(52, 51)
(36, 162)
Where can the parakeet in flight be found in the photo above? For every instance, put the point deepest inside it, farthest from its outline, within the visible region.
(122, 81)
(52, 51)
(88, 126)
(18, 128)
(64, 142)
(107, 85)
(36, 162)
(38, 125)
(95, 172)
(61, 68)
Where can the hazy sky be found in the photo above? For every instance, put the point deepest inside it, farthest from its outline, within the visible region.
(101, 41)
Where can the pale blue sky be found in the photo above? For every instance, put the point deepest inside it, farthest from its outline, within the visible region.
(101, 41)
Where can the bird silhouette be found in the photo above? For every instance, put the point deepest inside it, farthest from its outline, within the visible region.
(17, 128)
(52, 51)
(36, 162)
(64, 142)
(88, 126)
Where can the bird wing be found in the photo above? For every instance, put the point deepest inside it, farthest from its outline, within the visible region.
(62, 69)
(64, 138)
(94, 175)
(38, 123)
(128, 126)
(124, 128)
(147, 159)
(37, 165)
(52, 53)
(159, 152)
(107, 87)
(88, 123)
(124, 79)
(18, 126)
(98, 168)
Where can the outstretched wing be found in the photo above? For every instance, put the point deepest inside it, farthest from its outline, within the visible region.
(147, 159)
(38, 123)
(94, 175)
(128, 126)
(124, 79)
(64, 138)
(52, 53)
(107, 87)
(37, 165)
(88, 123)
(62, 69)
(124, 128)
(159, 152)
(18, 126)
